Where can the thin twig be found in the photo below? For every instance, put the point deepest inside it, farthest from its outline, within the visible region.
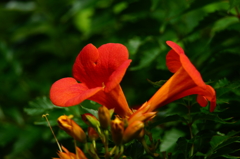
(45, 116)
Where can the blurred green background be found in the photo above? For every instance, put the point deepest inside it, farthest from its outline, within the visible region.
(39, 41)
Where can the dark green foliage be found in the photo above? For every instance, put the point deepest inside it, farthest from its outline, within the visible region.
(40, 39)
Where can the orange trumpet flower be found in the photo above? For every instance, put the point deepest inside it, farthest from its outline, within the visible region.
(100, 70)
(185, 81)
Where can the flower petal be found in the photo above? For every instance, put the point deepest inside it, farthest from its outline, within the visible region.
(117, 76)
(175, 47)
(112, 55)
(115, 99)
(173, 62)
(202, 101)
(95, 66)
(185, 63)
(68, 92)
(84, 68)
(178, 86)
(204, 95)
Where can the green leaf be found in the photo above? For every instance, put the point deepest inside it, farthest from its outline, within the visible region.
(8, 133)
(221, 83)
(83, 20)
(183, 147)
(157, 83)
(199, 4)
(231, 157)
(133, 45)
(212, 116)
(224, 23)
(147, 52)
(91, 111)
(159, 120)
(208, 21)
(219, 144)
(170, 138)
(223, 87)
(222, 152)
(26, 138)
(39, 106)
(135, 150)
(233, 3)
(119, 7)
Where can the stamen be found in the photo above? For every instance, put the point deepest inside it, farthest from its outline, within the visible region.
(45, 116)
(103, 85)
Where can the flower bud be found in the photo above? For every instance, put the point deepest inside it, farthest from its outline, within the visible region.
(65, 155)
(142, 114)
(117, 129)
(90, 120)
(72, 128)
(92, 134)
(111, 111)
(80, 154)
(69, 155)
(133, 131)
(104, 117)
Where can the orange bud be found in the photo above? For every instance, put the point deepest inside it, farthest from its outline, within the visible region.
(142, 114)
(117, 129)
(104, 117)
(69, 155)
(92, 134)
(133, 131)
(80, 154)
(72, 128)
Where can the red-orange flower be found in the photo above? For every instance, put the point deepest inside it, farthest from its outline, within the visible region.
(185, 81)
(100, 70)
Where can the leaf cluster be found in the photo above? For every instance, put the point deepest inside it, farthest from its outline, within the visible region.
(40, 39)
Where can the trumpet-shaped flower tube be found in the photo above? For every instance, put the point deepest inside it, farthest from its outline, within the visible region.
(185, 81)
(100, 70)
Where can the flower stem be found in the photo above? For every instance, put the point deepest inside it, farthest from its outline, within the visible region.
(105, 142)
(91, 151)
(190, 131)
(191, 135)
(112, 151)
(147, 149)
(238, 14)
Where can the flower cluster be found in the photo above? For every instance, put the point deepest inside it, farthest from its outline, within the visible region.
(97, 73)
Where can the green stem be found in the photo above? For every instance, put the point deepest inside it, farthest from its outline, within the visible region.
(190, 131)
(112, 151)
(119, 152)
(94, 143)
(191, 135)
(105, 142)
(91, 151)
(116, 152)
(147, 149)
(238, 14)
